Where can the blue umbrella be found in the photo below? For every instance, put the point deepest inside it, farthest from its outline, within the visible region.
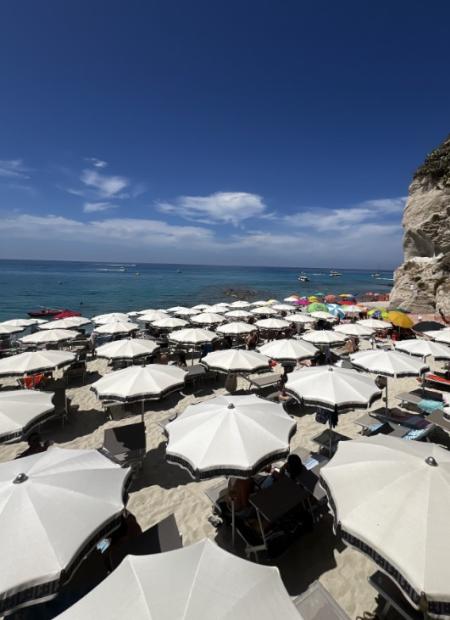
(336, 310)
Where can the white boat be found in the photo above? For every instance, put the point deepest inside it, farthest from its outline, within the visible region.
(303, 278)
(335, 274)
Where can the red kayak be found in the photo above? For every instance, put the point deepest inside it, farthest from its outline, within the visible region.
(49, 313)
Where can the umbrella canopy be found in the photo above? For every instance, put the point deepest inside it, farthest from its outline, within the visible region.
(51, 335)
(236, 360)
(240, 304)
(53, 505)
(391, 499)
(400, 319)
(275, 324)
(200, 307)
(324, 315)
(194, 336)
(229, 436)
(427, 326)
(152, 315)
(187, 312)
(352, 309)
(175, 309)
(236, 328)
(288, 349)
(324, 337)
(423, 348)
(22, 409)
(336, 310)
(198, 582)
(20, 322)
(116, 327)
(378, 313)
(7, 330)
(330, 298)
(317, 307)
(333, 387)
(374, 324)
(138, 383)
(264, 310)
(260, 302)
(34, 361)
(108, 318)
(127, 349)
(388, 363)
(169, 322)
(71, 322)
(282, 307)
(439, 336)
(207, 318)
(353, 329)
(301, 302)
(300, 318)
(218, 309)
(238, 314)
(291, 298)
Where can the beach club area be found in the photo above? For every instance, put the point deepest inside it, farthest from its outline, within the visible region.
(279, 459)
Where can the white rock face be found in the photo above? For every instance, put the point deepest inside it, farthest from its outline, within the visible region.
(422, 282)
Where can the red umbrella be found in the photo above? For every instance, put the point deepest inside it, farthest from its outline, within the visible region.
(65, 314)
(347, 302)
(330, 298)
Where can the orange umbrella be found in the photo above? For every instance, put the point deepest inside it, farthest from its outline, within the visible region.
(400, 319)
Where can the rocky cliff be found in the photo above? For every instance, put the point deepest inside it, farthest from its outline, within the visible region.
(422, 282)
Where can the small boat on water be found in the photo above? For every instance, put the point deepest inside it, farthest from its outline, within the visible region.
(335, 274)
(303, 278)
(49, 313)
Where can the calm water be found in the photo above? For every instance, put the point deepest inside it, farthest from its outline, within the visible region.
(94, 288)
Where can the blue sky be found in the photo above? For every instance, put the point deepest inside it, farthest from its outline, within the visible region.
(252, 132)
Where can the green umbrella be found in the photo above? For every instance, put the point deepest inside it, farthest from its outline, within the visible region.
(315, 307)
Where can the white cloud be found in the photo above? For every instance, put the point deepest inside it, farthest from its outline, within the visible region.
(97, 163)
(105, 186)
(225, 207)
(13, 168)
(94, 207)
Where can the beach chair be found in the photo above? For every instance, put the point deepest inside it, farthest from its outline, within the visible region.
(76, 372)
(318, 604)
(125, 445)
(438, 417)
(392, 597)
(61, 402)
(437, 381)
(405, 425)
(425, 405)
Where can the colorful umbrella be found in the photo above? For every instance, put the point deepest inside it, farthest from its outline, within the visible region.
(301, 302)
(330, 298)
(335, 310)
(400, 319)
(316, 307)
(378, 313)
(312, 298)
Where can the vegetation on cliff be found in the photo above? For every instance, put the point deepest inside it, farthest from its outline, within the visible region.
(436, 167)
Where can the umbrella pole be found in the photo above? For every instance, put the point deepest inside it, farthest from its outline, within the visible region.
(142, 410)
(386, 409)
(233, 523)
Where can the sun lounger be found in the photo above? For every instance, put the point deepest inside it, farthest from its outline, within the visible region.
(426, 405)
(405, 425)
(439, 419)
(318, 604)
(392, 597)
(125, 445)
(370, 425)
(263, 382)
(437, 381)
(164, 536)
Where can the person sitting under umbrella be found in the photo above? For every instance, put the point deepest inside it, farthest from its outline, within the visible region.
(292, 468)
(35, 445)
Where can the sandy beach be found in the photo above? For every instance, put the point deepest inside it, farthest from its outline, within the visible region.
(161, 489)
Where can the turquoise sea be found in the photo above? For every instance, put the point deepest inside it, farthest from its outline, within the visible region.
(95, 288)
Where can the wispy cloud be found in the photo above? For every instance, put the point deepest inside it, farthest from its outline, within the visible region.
(220, 207)
(97, 163)
(13, 168)
(95, 207)
(106, 186)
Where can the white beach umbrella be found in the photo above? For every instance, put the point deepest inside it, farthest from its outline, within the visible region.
(109, 317)
(150, 310)
(49, 336)
(229, 436)
(201, 307)
(70, 322)
(288, 349)
(224, 304)
(20, 410)
(24, 323)
(423, 348)
(207, 318)
(194, 336)
(217, 309)
(198, 582)
(8, 330)
(240, 303)
(324, 337)
(353, 329)
(388, 363)
(133, 314)
(391, 499)
(275, 324)
(352, 309)
(259, 303)
(34, 361)
(116, 327)
(236, 360)
(303, 318)
(187, 312)
(374, 324)
(292, 298)
(53, 505)
(128, 349)
(332, 387)
(236, 328)
(282, 307)
(322, 314)
(175, 309)
(169, 322)
(139, 383)
(152, 315)
(442, 335)
(264, 310)
(238, 314)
